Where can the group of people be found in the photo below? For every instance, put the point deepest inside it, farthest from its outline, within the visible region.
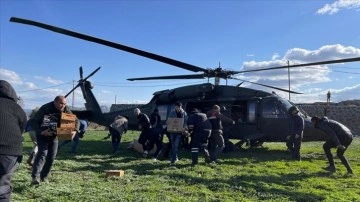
(337, 136)
(205, 130)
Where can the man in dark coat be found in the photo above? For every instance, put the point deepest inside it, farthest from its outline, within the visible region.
(200, 129)
(156, 133)
(217, 143)
(295, 136)
(144, 126)
(338, 136)
(12, 125)
(45, 121)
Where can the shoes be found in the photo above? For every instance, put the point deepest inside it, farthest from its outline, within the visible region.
(331, 169)
(154, 159)
(145, 154)
(35, 181)
(296, 158)
(44, 180)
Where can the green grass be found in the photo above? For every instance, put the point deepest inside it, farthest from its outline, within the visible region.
(253, 174)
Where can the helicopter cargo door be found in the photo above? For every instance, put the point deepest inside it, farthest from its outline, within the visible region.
(273, 119)
(244, 115)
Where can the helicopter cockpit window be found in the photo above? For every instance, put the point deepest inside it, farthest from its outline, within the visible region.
(274, 108)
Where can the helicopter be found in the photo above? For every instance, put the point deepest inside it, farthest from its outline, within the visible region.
(259, 116)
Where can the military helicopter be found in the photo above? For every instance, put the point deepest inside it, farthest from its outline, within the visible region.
(259, 116)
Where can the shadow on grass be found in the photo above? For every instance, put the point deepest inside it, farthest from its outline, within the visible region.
(254, 185)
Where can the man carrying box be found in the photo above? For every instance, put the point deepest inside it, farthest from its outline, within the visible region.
(45, 123)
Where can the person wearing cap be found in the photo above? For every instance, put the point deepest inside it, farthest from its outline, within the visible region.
(217, 143)
(295, 136)
(144, 126)
(175, 138)
(12, 126)
(338, 136)
(200, 129)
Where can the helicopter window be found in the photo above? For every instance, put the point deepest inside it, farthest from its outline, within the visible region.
(238, 113)
(252, 112)
(273, 108)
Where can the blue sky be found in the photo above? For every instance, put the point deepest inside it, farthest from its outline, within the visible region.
(239, 35)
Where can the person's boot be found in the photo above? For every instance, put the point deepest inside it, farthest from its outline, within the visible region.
(35, 181)
(331, 169)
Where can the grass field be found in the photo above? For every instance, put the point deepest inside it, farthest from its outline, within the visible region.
(250, 174)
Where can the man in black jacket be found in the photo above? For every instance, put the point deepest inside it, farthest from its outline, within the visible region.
(45, 121)
(144, 126)
(338, 136)
(295, 136)
(12, 126)
(200, 129)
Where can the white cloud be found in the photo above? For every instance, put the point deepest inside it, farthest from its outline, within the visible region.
(337, 95)
(49, 80)
(300, 77)
(275, 56)
(12, 77)
(337, 5)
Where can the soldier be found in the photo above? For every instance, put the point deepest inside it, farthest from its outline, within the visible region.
(295, 136)
(338, 136)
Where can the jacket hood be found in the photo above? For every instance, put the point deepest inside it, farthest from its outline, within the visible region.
(7, 91)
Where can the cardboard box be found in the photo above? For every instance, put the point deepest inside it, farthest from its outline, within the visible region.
(64, 133)
(67, 125)
(175, 125)
(115, 173)
(68, 117)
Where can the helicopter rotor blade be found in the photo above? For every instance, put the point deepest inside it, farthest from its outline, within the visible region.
(110, 44)
(356, 59)
(191, 76)
(81, 81)
(273, 87)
